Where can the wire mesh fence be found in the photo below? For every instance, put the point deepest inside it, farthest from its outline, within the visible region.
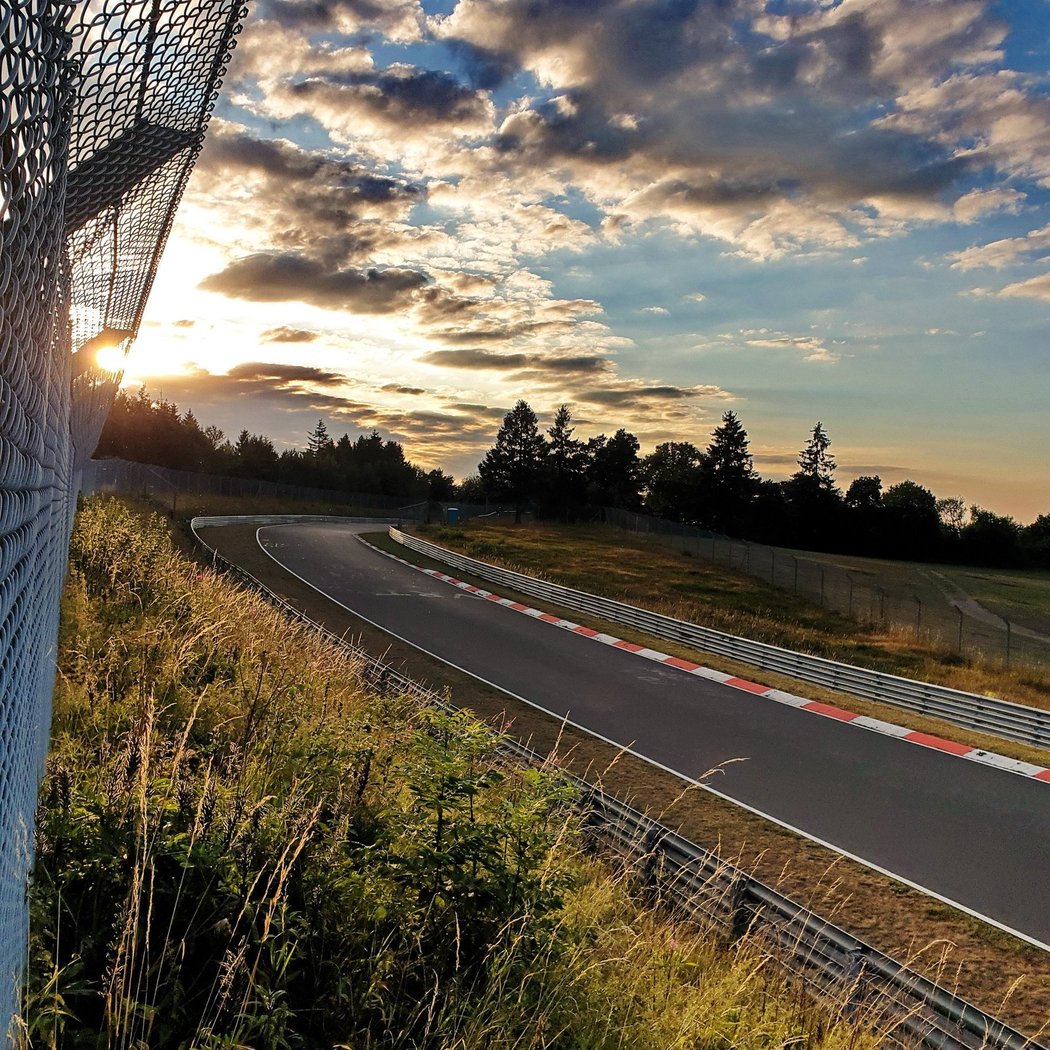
(928, 608)
(170, 487)
(104, 108)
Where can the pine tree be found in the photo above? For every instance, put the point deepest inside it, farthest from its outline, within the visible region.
(816, 462)
(729, 480)
(564, 465)
(816, 504)
(511, 468)
(318, 440)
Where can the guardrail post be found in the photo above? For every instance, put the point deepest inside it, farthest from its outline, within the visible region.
(856, 967)
(740, 914)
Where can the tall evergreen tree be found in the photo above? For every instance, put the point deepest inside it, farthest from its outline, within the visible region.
(318, 440)
(730, 483)
(564, 466)
(511, 468)
(815, 462)
(816, 503)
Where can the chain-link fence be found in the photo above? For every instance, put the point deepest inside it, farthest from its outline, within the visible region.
(173, 488)
(104, 108)
(928, 608)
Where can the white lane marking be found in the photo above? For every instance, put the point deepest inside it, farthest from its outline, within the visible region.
(910, 736)
(565, 720)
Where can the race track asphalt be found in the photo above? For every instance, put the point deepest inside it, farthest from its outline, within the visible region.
(973, 835)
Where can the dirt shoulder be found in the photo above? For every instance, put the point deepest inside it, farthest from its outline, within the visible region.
(996, 972)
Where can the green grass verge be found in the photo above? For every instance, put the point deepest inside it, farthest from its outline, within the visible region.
(238, 846)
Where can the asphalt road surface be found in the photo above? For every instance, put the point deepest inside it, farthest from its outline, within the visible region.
(975, 836)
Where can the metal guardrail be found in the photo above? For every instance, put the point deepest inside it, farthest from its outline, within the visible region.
(970, 710)
(910, 1009)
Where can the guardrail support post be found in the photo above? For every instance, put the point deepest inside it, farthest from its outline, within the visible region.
(739, 912)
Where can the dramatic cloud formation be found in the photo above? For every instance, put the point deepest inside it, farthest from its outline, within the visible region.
(642, 208)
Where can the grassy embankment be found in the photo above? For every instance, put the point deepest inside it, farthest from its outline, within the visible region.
(626, 567)
(239, 847)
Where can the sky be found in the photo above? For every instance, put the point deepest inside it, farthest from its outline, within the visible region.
(408, 215)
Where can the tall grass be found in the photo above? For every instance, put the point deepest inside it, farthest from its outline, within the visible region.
(238, 846)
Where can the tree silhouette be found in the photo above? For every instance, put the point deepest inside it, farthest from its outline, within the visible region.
(671, 475)
(614, 471)
(815, 462)
(563, 472)
(511, 468)
(729, 480)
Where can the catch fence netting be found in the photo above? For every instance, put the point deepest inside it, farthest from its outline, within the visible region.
(103, 105)
(911, 601)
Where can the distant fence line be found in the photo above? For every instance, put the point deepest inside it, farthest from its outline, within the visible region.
(849, 592)
(166, 484)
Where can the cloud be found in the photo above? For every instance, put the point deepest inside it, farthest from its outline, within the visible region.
(398, 19)
(735, 121)
(812, 348)
(998, 254)
(533, 363)
(1034, 288)
(254, 373)
(978, 203)
(288, 335)
(639, 395)
(397, 388)
(662, 310)
(268, 278)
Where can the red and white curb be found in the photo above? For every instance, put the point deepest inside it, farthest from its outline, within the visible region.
(875, 725)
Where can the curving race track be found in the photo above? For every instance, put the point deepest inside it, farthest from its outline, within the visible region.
(975, 836)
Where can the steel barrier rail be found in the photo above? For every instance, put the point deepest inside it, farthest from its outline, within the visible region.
(983, 713)
(700, 885)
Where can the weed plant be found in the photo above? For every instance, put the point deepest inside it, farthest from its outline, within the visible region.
(238, 846)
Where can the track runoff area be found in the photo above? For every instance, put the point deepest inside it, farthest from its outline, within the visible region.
(973, 836)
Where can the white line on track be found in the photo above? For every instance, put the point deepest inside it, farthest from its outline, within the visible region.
(565, 720)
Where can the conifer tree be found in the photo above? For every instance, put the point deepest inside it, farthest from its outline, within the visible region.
(511, 468)
(729, 480)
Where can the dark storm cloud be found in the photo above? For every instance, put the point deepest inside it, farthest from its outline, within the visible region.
(288, 335)
(292, 276)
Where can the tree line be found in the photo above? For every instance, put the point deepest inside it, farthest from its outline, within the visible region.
(556, 475)
(717, 488)
(146, 429)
